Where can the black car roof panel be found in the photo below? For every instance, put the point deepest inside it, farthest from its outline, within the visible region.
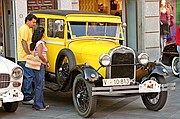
(64, 12)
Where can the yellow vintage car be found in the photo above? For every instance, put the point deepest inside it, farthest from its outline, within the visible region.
(87, 59)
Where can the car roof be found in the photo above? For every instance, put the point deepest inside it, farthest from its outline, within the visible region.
(65, 12)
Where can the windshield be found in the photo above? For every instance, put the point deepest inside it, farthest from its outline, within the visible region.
(102, 29)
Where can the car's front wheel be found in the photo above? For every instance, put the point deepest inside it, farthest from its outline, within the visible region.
(174, 66)
(83, 100)
(155, 101)
(65, 62)
(10, 106)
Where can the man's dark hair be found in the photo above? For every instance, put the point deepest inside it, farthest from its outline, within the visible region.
(37, 35)
(30, 17)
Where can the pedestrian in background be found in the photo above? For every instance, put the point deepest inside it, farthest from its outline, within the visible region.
(39, 48)
(178, 43)
(23, 49)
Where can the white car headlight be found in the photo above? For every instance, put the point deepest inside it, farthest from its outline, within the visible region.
(105, 60)
(17, 73)
(143, 58)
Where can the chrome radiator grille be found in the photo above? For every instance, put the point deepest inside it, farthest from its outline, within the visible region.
(4, 80)
(122, 65)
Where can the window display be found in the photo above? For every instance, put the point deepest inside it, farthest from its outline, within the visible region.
(167, 21)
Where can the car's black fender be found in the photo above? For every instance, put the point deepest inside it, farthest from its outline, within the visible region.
(160, 70)
(88, 72)
(63, 66)
(169, 52)
(155, 69)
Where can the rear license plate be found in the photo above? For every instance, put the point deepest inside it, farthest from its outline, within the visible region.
(116, 81)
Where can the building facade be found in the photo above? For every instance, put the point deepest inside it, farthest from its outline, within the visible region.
(141, 20)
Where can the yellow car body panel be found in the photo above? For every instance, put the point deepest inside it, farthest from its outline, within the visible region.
(75, 39)
(85, 51)
(89, 51)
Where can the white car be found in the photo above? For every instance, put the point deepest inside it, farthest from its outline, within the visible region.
(11, 77)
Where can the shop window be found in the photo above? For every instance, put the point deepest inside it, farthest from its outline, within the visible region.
(116, 4)
(167, 22)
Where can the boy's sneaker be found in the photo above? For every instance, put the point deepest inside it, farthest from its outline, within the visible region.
(30, 102)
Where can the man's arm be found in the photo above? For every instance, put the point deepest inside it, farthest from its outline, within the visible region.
(25, 47)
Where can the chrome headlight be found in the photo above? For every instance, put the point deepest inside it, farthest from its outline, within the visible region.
(17, 73)
(105, 60)
(143, 58)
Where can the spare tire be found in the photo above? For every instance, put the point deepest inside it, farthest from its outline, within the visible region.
(64, 63)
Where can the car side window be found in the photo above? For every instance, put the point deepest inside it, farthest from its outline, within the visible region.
(55, 28)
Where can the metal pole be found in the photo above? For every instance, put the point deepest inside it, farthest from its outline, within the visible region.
(15, 27)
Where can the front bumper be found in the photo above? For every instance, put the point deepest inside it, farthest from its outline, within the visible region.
(13, 95)
(131, 89)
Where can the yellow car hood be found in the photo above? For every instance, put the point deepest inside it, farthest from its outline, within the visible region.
(89, 51)
(92, 47)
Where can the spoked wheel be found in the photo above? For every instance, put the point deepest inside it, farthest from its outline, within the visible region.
(174, 66)
(10, 106)
(65, 62)
(155, 101)
(83, 100)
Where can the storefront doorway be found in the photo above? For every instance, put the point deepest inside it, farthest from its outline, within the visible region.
(7, 34)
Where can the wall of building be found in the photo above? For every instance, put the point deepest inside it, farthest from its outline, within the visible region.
(21, 12)
(68, 4)
(75, 4)
(91, 5)
(151, 28)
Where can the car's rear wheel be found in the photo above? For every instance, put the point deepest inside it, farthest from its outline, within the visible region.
(64, 63)
(83, 100)
(155, 101)
(174, 66)
(10, 106)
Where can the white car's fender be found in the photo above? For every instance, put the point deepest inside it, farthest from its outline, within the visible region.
(6, 65)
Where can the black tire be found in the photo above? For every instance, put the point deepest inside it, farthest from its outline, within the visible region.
(155, 101)
(10, 106)
(83, 100)
(64, 63)
(174, 66)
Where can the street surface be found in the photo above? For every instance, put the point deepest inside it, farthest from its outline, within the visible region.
(61, 107)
